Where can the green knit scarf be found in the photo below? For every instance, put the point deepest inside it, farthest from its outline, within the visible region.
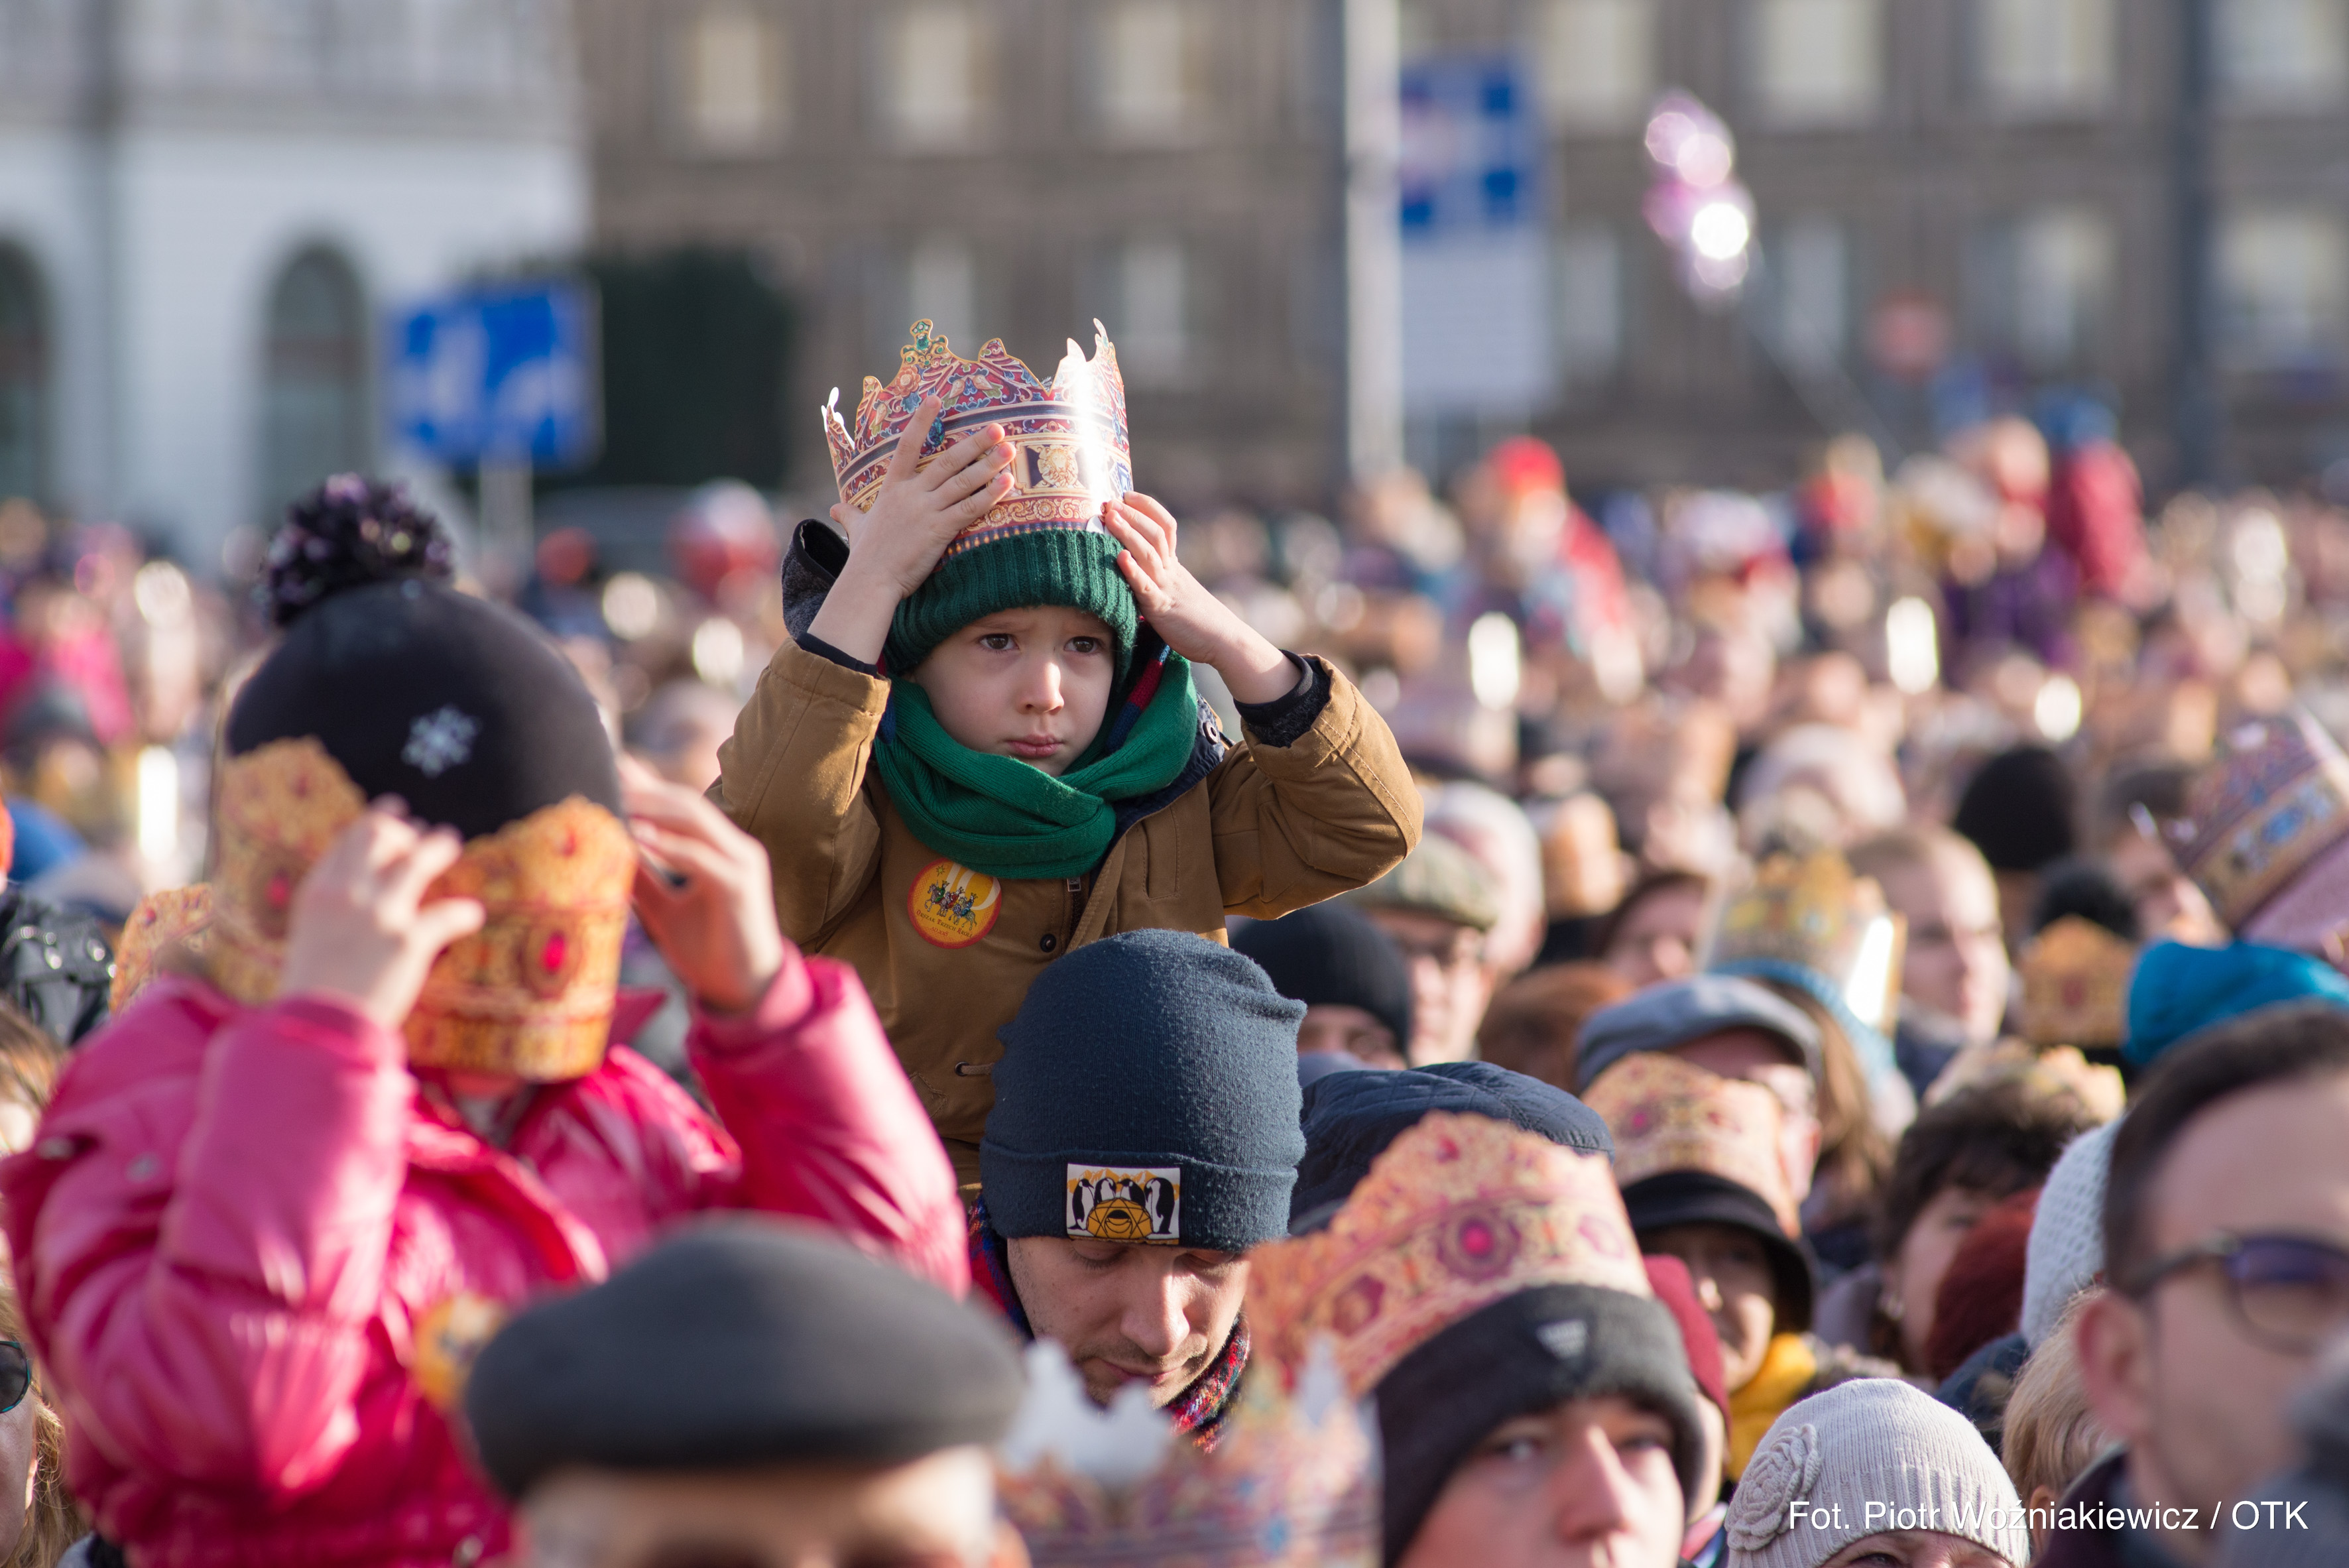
(1003, 818)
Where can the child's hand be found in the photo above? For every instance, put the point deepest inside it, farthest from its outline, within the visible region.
(1195, 623)
(716, 928)
(915, 516)
(359, 929)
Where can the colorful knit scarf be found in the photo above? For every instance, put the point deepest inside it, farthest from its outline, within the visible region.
(1004, 818)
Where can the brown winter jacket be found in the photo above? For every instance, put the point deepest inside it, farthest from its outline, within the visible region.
(1267, 830)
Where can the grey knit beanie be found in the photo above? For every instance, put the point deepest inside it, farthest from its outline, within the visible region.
(2066, 1250)
(1869, 1456)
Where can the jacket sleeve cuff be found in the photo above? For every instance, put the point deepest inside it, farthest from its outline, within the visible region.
(824, 650)
(824, 678)
(790, 997)
(1284, 721)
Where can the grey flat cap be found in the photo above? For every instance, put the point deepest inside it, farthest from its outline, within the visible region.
(1679, 1011)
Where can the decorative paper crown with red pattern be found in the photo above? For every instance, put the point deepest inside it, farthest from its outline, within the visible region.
(1069, 436)
(1292, 1482)
(2076, 976)
(2276, 798)
(1457, 1213)
(1668, 1115)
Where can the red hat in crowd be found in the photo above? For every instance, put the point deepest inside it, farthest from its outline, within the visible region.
(1669, 1279)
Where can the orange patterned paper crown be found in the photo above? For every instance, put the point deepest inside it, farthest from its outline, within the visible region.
(1070, 438)
(530, 994)
(1457, 1213)
(1292, 1482)
(1811, 913)
(177, 917)
(1668, 1115)
(2076, 976)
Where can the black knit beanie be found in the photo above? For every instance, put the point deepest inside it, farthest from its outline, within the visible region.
(2020, 810)
(1334, 955)
(1147, 1093)
(458, 705)
(1523, 1353)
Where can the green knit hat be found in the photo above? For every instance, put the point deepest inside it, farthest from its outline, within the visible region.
(1014, 569)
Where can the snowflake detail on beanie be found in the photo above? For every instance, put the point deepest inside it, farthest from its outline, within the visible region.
(1782, 1473)
(440, 740)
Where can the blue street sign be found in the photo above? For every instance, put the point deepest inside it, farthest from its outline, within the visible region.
(504, 373)
(1471, 145)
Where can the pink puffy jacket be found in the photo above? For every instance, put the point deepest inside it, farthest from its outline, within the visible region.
(235, 1221)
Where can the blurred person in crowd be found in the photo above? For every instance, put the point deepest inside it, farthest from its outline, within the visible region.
(1121, 1193)
(1662, 766)
(679, 729)
(2003, 586)
(790, 1400)
(1958, 1160)
(1533, 1020)
(2229, 1265)
(1656, 933)
(49, 1524)
(1954, 976)
(1815, 785)
(56, 966)
(1696, 1156)
(1976, 1349)
(2049, 1434)
(1439, 905)
(561, 594)
(1706, 1542)
(1538, 1409)
(1353, 980)
(2020, 810)
(1034, 770)
(2095, 502)
(338, 1127)
(1868, 1453)
(1500, 838)
(1584, 876)
(2132, 804)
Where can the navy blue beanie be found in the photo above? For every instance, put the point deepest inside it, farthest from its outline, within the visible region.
(1147, 1093)
(1350, 1118)
(1334, 955)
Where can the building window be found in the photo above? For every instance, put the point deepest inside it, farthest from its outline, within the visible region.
(1148, 75)
(1809, 297)
(1597, 61)
(313, 380)
(1817, 62)
(938, 74)
(2283, 288)
(2043, 286)
(942, 288)
(1144, 293)
(2282, 54)
(2045, 56)
(23, 377)
(732, 93)
(1590, 303)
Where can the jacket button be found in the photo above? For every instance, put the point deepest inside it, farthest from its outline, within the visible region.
(1049, 943)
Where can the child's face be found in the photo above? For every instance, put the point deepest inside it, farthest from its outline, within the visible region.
(1031, 684)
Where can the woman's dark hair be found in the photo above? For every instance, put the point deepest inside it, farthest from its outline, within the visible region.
(1999, 1140)
(1647, 887)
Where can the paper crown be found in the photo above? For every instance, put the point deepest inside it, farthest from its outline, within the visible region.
(1293, 1482)
(1069, 438)
(2274, 798)
(1458, 1212)
(175, 917)
(1813, 913)
(1668, 1115)
(530, 994)
(2076, 977)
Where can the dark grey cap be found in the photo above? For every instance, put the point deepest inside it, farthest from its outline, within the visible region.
(1680, 1011)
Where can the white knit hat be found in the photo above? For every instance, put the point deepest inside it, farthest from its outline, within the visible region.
(1869, 1456)
(2066, 1250)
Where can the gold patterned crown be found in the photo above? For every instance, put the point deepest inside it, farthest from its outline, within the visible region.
(1069, 438)
(2274, 798)
(178, 917)
(530, 994)
(1458, 1212)
(1812, 913)
(1291, 1482)
(1668, 1115)
(2076, 976)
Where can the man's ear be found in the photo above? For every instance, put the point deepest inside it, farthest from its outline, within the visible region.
(1011, 1552)
(2114, 1340)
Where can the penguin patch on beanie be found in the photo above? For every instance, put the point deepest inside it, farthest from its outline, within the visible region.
(1126, 1202)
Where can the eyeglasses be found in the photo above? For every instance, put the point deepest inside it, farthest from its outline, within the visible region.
(2289, 1293)
(15, 1375)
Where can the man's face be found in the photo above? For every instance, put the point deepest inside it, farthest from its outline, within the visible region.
(1659, 939)
(1758, 1056)
(2200, 1401)
(1449, 982)
(1956, 963)
(934, 1512)
(1128, 1312)
(1585, 1484)
(1730, 1270)
(1334, 1026)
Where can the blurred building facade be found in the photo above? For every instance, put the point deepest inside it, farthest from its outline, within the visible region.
(207, 205)
(1962, 201)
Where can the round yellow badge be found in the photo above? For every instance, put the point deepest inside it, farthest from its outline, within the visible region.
(952, 905)
(449, 1337)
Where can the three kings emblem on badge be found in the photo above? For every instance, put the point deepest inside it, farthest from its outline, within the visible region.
(952, 905)
(1126, 1202)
